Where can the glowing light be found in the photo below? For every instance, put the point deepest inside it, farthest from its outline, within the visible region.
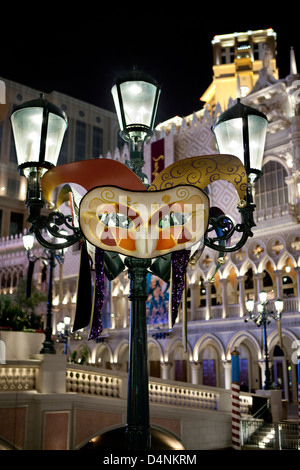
(135, 89)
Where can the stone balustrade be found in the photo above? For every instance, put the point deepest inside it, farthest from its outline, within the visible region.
(92, 381)
(18, 377)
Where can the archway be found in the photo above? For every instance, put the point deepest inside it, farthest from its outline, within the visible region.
(103, 356)
(283, 358)
(179, 360)
(250, 354)
(209, 351)
(121, 356)
(154, 358)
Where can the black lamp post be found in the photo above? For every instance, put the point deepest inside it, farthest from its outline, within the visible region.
(49, 256)
(262, 318)
(136, 98)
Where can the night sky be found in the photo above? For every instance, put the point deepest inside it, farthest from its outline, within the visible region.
(81, 53)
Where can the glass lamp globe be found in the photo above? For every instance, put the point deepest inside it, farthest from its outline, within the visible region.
(38, 128)
(241, 131)
(28, 241)
(263, 297)
(278, 306)
(250, 305)
(67, 320)
(136, 98)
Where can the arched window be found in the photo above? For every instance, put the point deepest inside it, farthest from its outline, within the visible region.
(271, 189)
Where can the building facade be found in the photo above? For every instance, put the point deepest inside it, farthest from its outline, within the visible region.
(244, 66)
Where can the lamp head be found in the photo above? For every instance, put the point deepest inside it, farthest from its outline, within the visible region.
(250, 305)
(136, 98)
(278, 306)
(67, 320)
(28, 241)
(241, 131)
(38, 128)
(263, 297)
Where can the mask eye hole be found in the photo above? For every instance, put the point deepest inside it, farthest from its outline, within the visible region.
(115, 220)
(174, 219)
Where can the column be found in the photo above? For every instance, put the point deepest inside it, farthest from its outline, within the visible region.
(125, 318)
(278, 274)
(207, 286)
(194, 288)
(195, 367)
(224, 283)
(236, 414)
(241, 281)
(227, 368)
(259, 283)
(165, 370)
(297, 271)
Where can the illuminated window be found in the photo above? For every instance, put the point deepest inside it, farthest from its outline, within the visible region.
(258, 50)
(97, 142)
(227, 55)
(271, 188)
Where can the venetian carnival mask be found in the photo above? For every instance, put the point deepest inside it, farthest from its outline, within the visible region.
(134, 224)
(170, 217)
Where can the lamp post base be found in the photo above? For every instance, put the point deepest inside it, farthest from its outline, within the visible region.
(48, 348)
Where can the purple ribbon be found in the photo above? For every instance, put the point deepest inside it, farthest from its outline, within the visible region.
(179, 262)
(97, 327)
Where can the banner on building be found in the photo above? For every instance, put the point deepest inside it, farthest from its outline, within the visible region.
(157, 158)
(157, 305)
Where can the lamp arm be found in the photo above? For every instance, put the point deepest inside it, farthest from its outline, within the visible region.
(227, 227)
(53, 223)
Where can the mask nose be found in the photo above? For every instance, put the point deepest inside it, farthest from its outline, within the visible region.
(145, 241)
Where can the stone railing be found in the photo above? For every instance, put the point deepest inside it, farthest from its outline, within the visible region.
(89, 380)
(183, 395)
(18, 377)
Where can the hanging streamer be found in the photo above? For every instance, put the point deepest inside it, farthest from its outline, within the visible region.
(99, 295)
(184, 314)
(179, 262)
(170, 300)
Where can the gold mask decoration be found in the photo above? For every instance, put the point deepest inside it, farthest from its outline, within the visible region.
(134, 224)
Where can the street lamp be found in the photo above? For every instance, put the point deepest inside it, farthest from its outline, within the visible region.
(262, 318)
(240, 131)
(38, 129)
(136, 98)
(49, 256)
